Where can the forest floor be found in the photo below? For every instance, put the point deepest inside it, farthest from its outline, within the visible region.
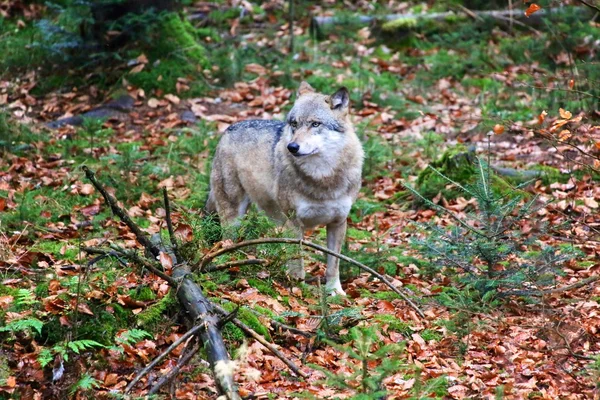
(521, 99)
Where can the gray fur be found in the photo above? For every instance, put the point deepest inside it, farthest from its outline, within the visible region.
(315, 186)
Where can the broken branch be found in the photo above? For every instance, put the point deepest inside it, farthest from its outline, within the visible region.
(211, 256)
(247, 330)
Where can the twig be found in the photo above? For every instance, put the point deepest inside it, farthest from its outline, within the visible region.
(281, 325)
(228, 318)
(235, 263)
(592, 6)
(211, 256)
(576, 285)
(173, 372)
(170, 225)
(158, 359)
(146, 264)
(264, 342)
(103, 253)
(118, 211)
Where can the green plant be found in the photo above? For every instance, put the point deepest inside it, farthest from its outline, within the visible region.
(85, 383)
(132, 336)
(364, 381)
(26, 324)
(65, 349)
(488, 244)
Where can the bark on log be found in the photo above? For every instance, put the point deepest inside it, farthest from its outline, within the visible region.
(198, 309)
(318, 23)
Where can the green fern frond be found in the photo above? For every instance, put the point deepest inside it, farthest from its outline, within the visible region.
(25, 298)
(27, 324)
(132, 336)
(86, 382)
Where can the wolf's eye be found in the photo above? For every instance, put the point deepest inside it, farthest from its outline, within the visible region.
(293, 124)
(316, 124)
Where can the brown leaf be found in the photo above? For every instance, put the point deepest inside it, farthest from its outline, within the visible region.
(137, 69)
(184, 233)
(564, 114)
(86, 189)
(533, 8)
(165, 260)
(172, 98)
(90, 211)
(542, 117)
(255, 68)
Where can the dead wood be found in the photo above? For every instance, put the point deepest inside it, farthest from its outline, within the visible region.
(250, 332)
(319, 22)
(198, 308)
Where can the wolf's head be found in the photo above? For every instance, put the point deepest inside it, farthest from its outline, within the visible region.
(317, 124)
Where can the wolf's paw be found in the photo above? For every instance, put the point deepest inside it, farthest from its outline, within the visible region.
(335, 289)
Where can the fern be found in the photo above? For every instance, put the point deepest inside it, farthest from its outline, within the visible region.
(86, 382)
(27, 324)
(24, 298)
(132, 336)
(45, 357)
(80, 345)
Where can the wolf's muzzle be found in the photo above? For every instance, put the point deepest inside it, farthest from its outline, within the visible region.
(293, 147)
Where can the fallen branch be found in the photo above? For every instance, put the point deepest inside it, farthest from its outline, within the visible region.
(162, 355)
(408, 20)
(173, 372)
(119, 212)
(190, 296)
(235, 263)
(248, 331)
(212, 255)
(566, 288)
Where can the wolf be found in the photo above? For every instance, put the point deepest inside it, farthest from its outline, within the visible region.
(302, 173)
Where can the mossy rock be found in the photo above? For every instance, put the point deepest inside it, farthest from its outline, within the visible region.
(458, 164)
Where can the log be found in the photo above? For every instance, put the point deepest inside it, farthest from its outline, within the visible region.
(190, 296)
(392, 22)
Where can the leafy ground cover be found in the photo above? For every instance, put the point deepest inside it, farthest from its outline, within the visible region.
(521, 99)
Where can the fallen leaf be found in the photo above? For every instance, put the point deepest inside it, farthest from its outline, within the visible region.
(533, 8)
(564, 114)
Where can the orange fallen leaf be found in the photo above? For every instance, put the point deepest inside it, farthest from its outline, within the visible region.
(533, 8)
(564, 114)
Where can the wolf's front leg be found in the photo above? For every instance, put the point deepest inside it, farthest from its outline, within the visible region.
(335, 238)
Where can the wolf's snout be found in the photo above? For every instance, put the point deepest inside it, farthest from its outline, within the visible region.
(293, 147)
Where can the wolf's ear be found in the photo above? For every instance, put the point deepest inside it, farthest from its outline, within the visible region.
(340, 99)
(305, 88)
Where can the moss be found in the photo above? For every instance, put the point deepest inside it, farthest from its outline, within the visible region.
(394, 323)
(248, 318)
(181, 33)
(155, 313)
(457, 164)
(142, 293)
(232, 333)
(429, 334)
(263, 286)
(398, 24)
